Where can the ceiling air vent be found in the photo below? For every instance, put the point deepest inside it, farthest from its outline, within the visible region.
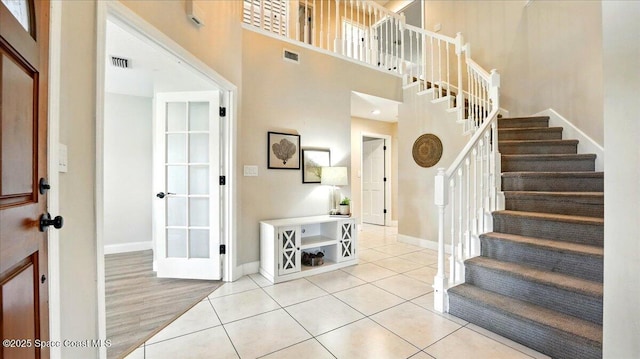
(120, 62)
(291, 56)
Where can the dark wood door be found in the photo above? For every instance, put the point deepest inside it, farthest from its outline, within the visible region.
(24, 46)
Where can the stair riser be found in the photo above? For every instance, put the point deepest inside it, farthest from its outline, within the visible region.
(534, 165)
(550, 341)
(522, 123)
(544, 149)
(563, 184)
(530, 135)
(584, 233)
(547, 296)
(579, 265)
(558, 205)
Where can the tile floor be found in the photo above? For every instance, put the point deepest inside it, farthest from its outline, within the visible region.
(380, 308)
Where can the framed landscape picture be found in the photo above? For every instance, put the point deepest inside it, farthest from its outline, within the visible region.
(312, 162)
(283, 151)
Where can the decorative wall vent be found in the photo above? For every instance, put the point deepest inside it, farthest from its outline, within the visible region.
(291, 56)
(120, 62)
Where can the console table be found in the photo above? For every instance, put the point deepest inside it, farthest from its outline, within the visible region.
(282, 242)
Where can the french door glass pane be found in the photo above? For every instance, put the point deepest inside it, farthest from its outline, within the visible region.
(176, 243)
(199, 148)
(198, 180)
(176, 116)
(176, 148)
(199, 243)
(199, 212)
(176, 211)
(198, 116)
(177, 179)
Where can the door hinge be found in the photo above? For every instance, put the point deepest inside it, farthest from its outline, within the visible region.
(384, 148)
(385, 179)
(384, 211)
(223, 180)
(223, 111)
(223, 249)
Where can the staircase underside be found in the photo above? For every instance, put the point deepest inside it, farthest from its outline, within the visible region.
(539, 278)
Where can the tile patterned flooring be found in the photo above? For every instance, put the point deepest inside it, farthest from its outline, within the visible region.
(380, 308)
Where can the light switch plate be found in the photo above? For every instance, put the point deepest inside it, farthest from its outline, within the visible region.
(250, 171)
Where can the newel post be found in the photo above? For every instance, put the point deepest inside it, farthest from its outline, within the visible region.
(440, 301)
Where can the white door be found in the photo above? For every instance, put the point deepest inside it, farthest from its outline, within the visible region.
(186, 181)
(373, 181)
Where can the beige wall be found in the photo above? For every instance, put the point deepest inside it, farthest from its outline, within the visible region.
(78, 266)
(549, 54)
(417, 213)
(312, 99)
(217, 43)
(621, 31)
(360, 126)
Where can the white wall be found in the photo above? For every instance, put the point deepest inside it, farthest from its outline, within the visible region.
(127, 171)
(621, 31)
(549, 53)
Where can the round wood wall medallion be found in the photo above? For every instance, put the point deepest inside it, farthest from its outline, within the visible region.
(427, 150)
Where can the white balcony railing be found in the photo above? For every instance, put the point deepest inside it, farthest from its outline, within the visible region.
(467, 192)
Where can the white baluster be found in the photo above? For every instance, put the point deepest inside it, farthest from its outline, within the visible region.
(474, 156)
(439, 68)
(440, 280)
(261, 14)
(448, 72)
(460, 100)
(452, 259)
(467, 171)
(460, 248)
(336, 44)
(322, 23)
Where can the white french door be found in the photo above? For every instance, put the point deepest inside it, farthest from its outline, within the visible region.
(373, 184)
(186, 179)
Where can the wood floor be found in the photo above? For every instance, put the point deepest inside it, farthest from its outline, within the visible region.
(139, 305)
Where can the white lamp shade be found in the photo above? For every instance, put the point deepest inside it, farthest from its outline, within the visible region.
(334, 176)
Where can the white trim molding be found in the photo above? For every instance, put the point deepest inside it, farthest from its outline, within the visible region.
(570, 131)
(423, 243)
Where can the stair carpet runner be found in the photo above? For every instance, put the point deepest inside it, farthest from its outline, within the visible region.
(539, 278)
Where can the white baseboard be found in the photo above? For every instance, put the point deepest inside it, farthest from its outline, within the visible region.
(246, 269)
(402, 238)
(570, 131)
(127, 247)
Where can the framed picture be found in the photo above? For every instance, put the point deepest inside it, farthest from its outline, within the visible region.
(283, 151)
(312, 163)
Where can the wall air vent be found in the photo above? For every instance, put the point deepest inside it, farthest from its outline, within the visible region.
(291, 56)
(120, 62)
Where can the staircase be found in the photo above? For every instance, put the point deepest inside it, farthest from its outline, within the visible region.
(539, 278)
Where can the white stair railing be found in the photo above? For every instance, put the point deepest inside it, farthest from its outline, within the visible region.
(469, 190)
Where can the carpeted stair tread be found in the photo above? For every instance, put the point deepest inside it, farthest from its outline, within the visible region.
(547, 278)
(509, 147)
(531, 313)
(569, 181)
(555, 217)
(550, 244)
(548, 162)
(530, 133)
(577, 203)
(516, 122)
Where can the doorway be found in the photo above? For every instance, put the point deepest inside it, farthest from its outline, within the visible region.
(136, 62)
(376, 179)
